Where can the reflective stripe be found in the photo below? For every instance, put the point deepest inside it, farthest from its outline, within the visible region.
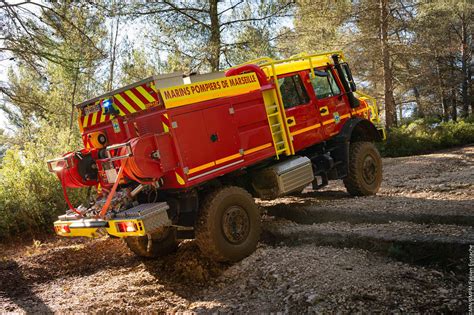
(259, 148)
(297, 132)
(200, 168)
(229, 158)
(327, 122)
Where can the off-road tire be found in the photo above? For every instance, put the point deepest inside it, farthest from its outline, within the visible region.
(365, 169)
(218, 232)
(162, 244)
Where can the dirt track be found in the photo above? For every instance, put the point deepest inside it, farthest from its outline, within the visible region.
(404, 250)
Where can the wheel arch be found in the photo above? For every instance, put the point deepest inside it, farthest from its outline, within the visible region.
(358, 129)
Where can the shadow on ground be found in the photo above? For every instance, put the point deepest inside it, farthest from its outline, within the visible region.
(15, 287)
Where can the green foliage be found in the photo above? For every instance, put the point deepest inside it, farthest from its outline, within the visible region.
(31, 197)
(136, 67)
(425, 136)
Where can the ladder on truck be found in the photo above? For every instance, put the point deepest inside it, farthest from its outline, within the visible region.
(276, 120)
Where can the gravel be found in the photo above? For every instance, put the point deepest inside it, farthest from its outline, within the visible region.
(101, 275)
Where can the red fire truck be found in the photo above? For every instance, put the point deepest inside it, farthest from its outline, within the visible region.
(182, 156)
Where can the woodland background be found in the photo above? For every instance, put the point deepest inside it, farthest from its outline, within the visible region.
(414, 56)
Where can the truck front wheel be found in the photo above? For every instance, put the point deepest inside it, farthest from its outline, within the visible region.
(228, 227)
(365, 169)
(156, 245)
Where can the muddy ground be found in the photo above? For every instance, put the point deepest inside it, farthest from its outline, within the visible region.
(404, 250)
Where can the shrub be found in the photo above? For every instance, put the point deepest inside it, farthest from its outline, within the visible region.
(421, 137)
(30, 196)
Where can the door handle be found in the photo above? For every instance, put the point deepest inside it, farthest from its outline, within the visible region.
(323, 110)
(290, 121)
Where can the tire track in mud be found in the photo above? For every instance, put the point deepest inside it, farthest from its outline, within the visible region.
(312, 215)
(445, 246)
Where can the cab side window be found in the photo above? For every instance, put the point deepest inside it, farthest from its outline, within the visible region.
(324, 84)
(292, 91)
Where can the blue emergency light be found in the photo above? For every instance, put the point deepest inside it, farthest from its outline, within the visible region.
(108, 106)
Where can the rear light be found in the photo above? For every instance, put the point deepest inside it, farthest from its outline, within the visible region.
(63, 229)
(126, 227)
(59, 164)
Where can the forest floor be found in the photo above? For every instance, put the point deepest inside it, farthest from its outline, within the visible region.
(404, 250)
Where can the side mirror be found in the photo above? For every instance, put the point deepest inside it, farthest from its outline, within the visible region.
(348, 75)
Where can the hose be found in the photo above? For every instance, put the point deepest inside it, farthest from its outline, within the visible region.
(71, 207)
(106, 205)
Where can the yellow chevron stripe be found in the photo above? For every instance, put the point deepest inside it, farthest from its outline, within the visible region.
(153, 87)
(147, 95)
(86, 120)
(102, 117)
(125, 103)
(94, 119)
(165, 127)
(135, 99)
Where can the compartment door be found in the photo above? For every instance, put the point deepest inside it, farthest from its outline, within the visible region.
(222, 134)
(192, 139)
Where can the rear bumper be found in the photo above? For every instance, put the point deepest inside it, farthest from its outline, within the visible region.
(95, 228)
(138, 221)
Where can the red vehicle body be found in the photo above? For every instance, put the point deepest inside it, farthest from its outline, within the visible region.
(168, 153)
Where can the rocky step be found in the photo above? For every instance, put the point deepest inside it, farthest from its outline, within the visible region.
(446, 246)
(309, 214)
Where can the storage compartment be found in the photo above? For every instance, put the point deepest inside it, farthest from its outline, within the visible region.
(153, 215)
(283, 178)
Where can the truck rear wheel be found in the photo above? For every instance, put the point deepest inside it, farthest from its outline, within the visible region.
(228, 227)
(365, 169)
(156, 245)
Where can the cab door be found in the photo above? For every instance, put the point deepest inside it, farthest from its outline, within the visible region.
(330, 101)
(302, 117)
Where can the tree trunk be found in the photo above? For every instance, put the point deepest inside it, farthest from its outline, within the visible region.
(465, 64)
(113, 51)
(444, 105)
(420, 112)
(400, 113)
(454, 111)
(471, 89)
(215, 40)
(390, 114)
(73, 100)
